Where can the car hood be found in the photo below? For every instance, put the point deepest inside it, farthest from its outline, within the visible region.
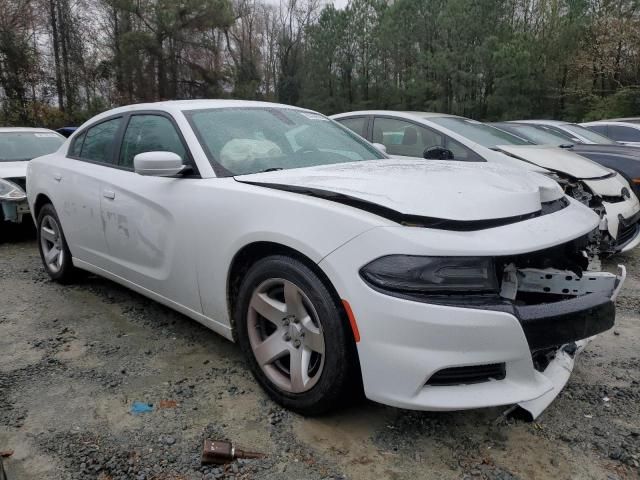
(557, 159)
(427, 188)
(13, 169)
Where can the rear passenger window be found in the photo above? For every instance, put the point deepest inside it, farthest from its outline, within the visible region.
(99, 140)
(356, 125)
(622, 133)
(602, 129)
(150, 133)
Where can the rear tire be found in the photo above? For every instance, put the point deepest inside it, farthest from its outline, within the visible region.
(293, 333)
(53, 247)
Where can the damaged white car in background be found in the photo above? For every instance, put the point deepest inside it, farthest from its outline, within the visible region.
(17, 147)
(433, 285)
(448, 137)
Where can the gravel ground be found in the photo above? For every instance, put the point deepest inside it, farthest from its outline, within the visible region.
(74, 359)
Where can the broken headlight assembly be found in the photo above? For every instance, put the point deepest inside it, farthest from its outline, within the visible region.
(11, 192)
(436, 275)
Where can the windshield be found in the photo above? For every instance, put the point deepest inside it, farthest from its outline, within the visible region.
(251, 140)
(588, 134)
(22, 146)
(485, 135)
(539, 135)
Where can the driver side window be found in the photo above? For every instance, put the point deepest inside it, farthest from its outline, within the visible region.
(148, 133)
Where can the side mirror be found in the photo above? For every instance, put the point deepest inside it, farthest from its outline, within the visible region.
(437, 153)
(380, 147)
(158, 164)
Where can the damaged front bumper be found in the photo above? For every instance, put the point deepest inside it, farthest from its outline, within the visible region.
(573, 322)
(628, 232)
(14, 212)
(13, 201)
(419, 355)
(557, 372)
(470, 350)
(619, 210)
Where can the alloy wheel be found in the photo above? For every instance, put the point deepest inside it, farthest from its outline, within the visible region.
(51, 243)
(285, 335)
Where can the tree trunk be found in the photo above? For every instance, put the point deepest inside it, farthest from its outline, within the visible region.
(56, 53)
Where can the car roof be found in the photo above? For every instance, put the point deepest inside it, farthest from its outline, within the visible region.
(25, 130)
(617, 120)
(175, 106)
(396, 113)
(172, 105)
(611, 122)
(542, 122)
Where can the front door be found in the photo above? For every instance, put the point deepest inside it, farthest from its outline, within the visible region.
(144, 217)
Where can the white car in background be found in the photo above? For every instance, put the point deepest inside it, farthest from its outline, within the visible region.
(577, 133)
(626, 133)
(432, 285)
(441, 136)
(17, 147)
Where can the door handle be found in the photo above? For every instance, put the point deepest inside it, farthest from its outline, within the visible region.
(110, 194)
(57, 177)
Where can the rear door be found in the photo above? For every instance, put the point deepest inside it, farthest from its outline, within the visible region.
(77, 185)
(145, 218)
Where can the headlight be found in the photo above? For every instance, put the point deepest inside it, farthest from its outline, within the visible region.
(416, 274)
(11, 192)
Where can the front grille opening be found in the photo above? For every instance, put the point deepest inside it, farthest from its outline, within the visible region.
(468, 375)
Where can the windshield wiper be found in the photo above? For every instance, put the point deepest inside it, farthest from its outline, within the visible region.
(271, 169)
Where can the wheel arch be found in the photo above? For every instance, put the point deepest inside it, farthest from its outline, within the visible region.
(253, 252)
(41, 200)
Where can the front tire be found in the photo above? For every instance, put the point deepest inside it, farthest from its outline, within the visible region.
(293, 333)
(53, 247)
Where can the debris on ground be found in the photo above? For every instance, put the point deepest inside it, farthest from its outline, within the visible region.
(168, 404)
(141, 407)
(219, 452)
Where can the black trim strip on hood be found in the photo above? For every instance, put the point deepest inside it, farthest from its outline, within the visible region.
(415, 220)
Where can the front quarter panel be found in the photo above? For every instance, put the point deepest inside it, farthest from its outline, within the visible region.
(233, 215)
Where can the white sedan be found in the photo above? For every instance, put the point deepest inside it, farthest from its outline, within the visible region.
(442, 136)
(430, 285)
(17, 147)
